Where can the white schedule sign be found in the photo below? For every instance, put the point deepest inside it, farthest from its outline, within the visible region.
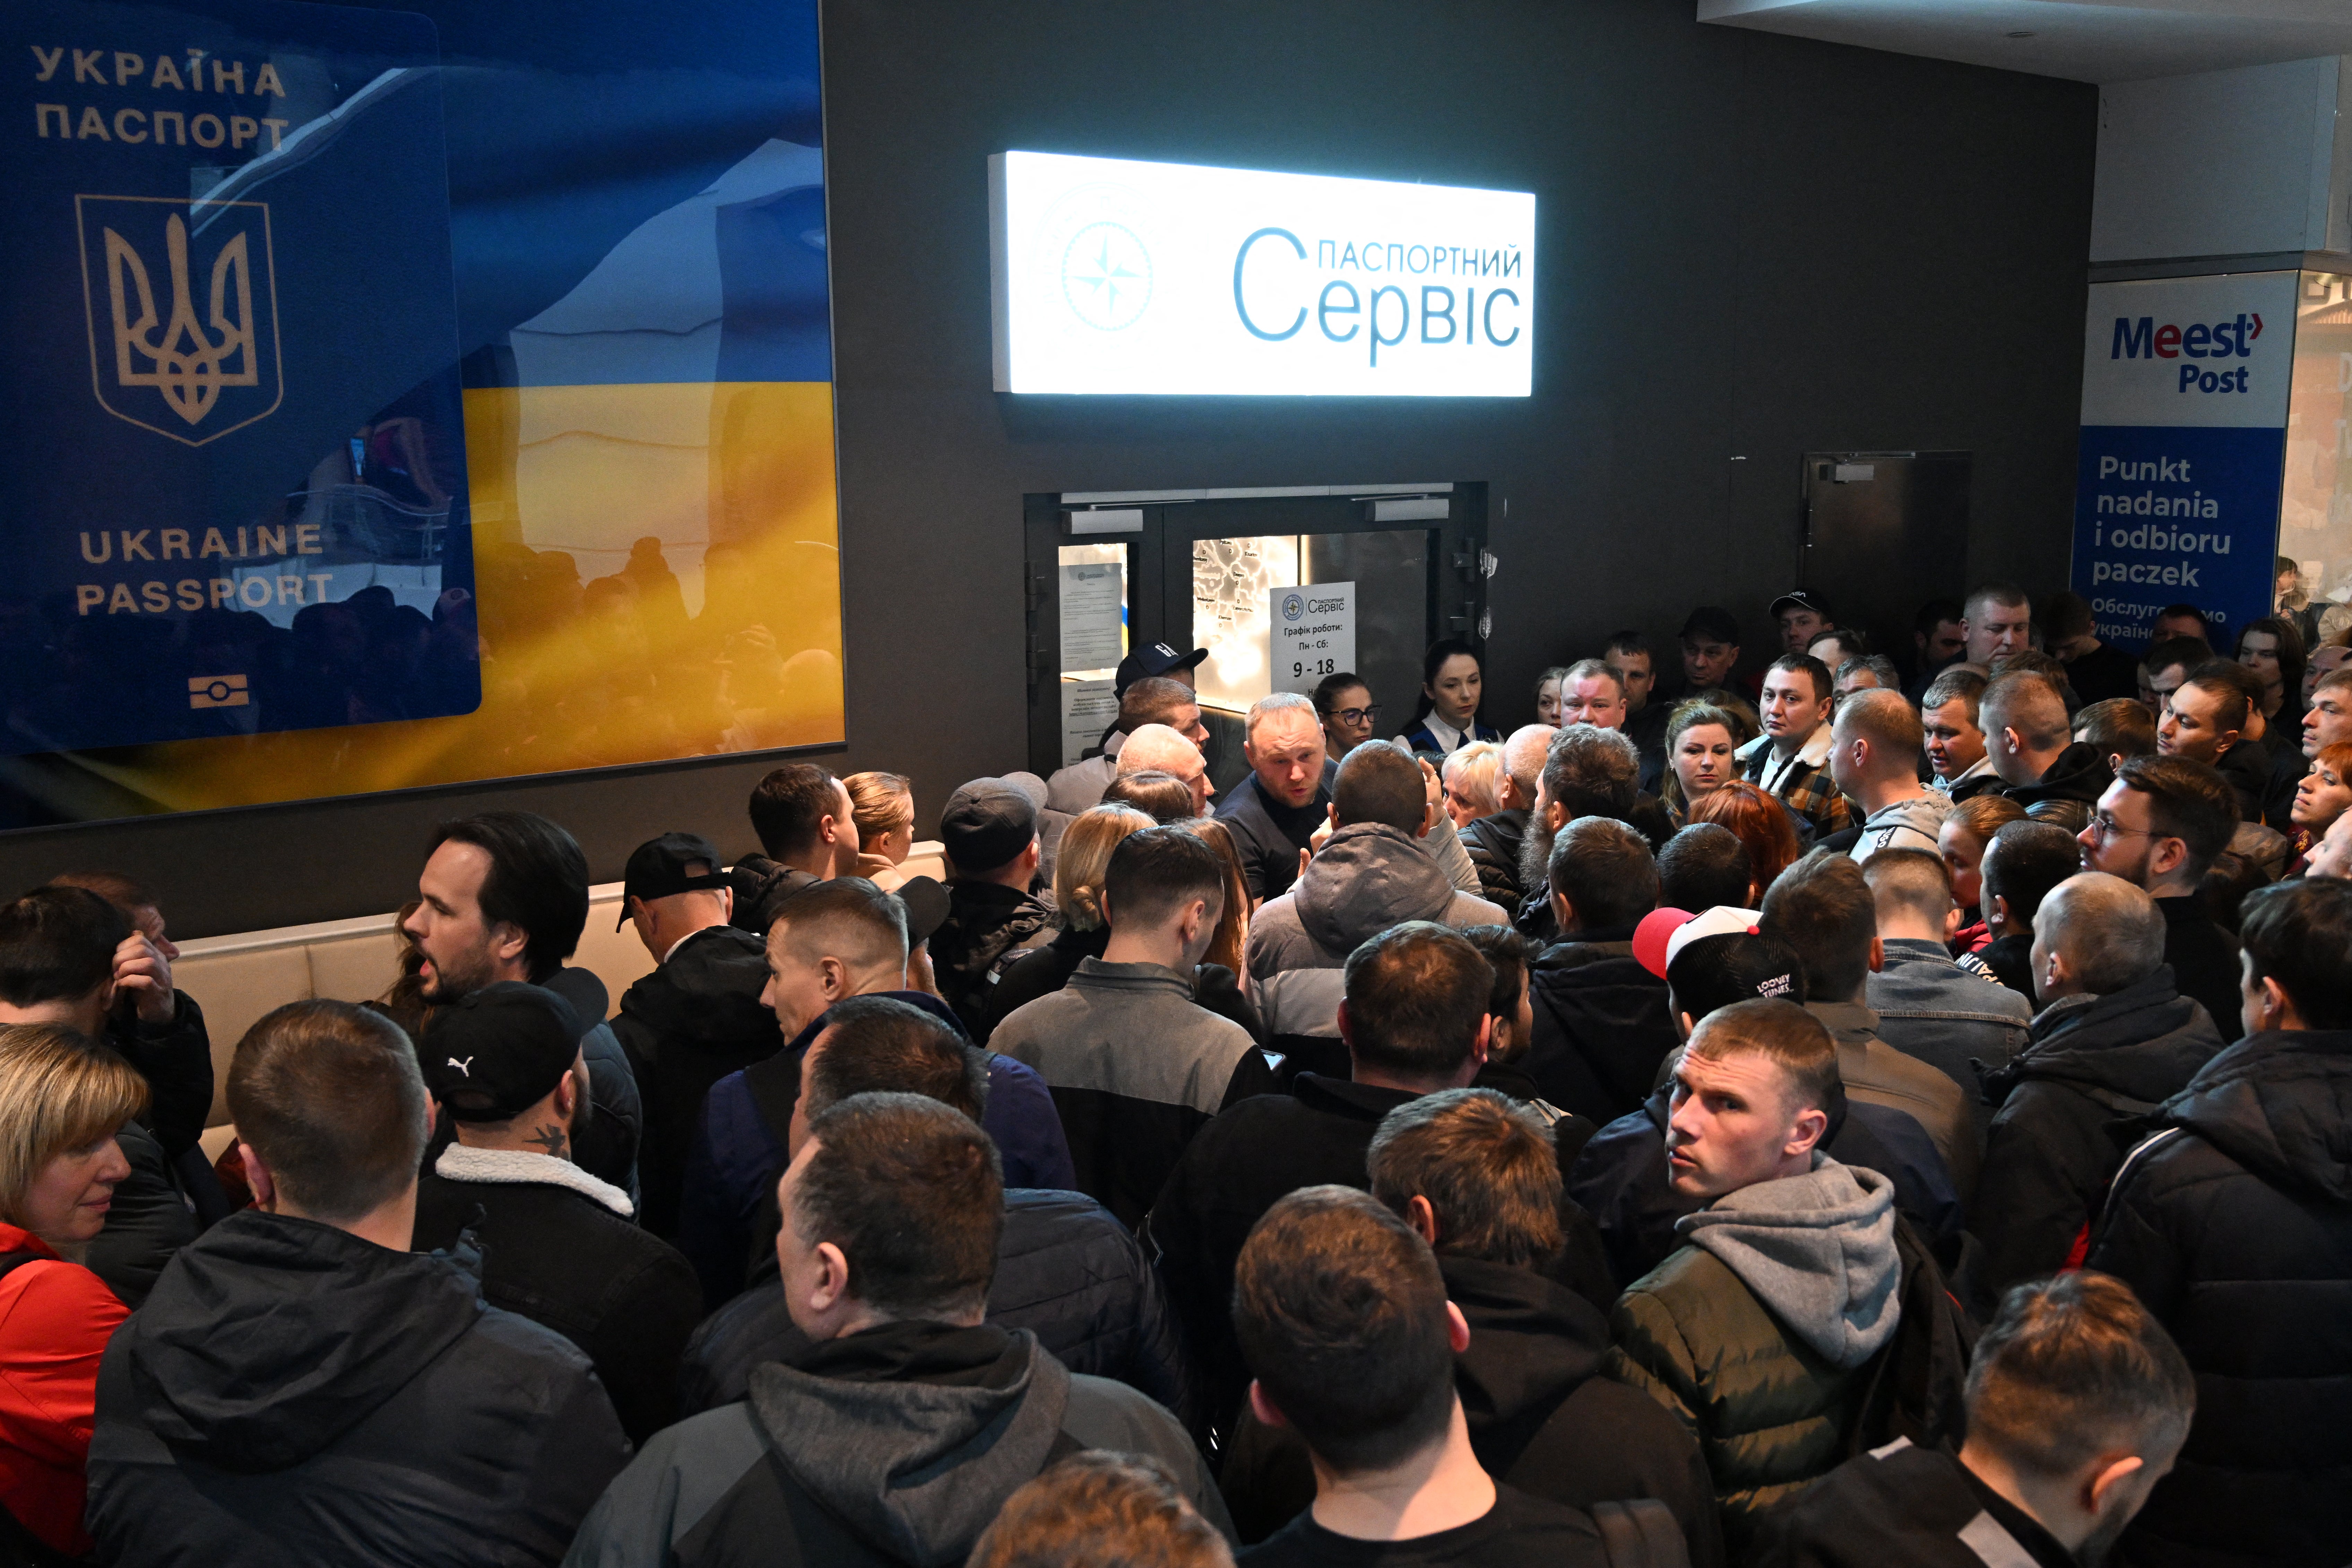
(1114, 276)
(1088, 708)
(1312, 630)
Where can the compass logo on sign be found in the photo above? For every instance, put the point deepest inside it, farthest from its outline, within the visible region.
(1294, 605)
(1106, 276)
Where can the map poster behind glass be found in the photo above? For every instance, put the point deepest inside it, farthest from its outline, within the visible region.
(233, 487)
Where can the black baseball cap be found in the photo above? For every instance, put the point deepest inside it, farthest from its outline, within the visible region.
(1798, 599)
(495, 1053)
(1711, 972)
(1710, 623)
(661, 867)
(987, 823)
(1157, 660)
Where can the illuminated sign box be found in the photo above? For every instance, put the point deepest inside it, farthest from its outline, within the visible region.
(1113, 276)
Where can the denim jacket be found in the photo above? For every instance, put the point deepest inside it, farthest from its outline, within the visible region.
(1930, 1008)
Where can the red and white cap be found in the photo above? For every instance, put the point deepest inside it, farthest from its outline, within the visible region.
(1664, 933)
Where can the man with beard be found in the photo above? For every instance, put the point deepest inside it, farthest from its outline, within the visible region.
(504, 895)
(1586, 772)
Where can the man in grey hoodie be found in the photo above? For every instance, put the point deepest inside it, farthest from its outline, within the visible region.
(897, 1435)
(1875, 744)
(1373, 874)
(1758, 1333)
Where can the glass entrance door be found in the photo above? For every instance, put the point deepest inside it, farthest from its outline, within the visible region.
(1239, 576)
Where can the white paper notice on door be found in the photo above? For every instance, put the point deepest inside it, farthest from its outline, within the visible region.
(1089, 707)
(1093, 599)
(1311, 631)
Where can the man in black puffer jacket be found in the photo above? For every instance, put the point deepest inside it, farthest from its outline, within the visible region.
(697, 1016)
(2115, 1041)
(302, 1388)
(2233, 1222)
(1601, 1026)
(1066, 1270)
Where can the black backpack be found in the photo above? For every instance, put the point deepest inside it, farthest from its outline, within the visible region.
(1915, 1385)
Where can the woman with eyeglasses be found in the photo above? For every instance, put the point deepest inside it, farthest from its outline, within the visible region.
(1350, 715)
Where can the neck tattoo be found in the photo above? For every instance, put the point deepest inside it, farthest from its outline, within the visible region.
(550, 1137)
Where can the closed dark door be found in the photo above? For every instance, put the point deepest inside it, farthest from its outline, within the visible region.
(1883, 532)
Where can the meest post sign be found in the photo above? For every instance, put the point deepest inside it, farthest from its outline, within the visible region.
(1113, 276)
(2184, 440)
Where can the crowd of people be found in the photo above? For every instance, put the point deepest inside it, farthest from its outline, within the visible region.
(1858, 1106)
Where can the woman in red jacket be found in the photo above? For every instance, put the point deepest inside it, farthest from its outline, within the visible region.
(62, 1100)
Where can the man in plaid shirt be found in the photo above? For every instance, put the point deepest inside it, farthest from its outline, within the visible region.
(1791, 758)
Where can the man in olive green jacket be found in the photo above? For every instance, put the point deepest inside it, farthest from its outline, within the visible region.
(1757, 1334)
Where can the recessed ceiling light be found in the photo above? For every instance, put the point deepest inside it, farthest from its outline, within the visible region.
(2027, 34)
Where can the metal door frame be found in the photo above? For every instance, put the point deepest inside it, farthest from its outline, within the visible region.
(1158, 565)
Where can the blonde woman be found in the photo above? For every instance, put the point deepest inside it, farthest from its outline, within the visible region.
(1079, 869)
(1470, 782)
(1700, 742)
(62, 1100)
(883, 807)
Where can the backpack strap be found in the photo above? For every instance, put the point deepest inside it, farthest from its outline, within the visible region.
(1641, 1532)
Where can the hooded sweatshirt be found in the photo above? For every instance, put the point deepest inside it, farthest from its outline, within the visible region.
(1818, 1250)
(691, 1022)
(291, 1394)
(2090, 1065)
(896, 1445)
(2233, 1224)
(1905, 825)
(1759, 1333)
(1367, 878)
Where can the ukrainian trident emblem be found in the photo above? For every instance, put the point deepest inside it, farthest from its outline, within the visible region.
(186, 347)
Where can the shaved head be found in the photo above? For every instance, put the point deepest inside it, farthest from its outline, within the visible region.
(2028, 704)
(1911, 880)
(1524, 753)
(1883, 719)
(1156, 748)
(2109, 933)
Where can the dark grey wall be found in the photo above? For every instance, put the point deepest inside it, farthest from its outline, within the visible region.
(1750, 247)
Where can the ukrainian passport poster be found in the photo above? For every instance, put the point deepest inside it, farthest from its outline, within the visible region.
(232, 464)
